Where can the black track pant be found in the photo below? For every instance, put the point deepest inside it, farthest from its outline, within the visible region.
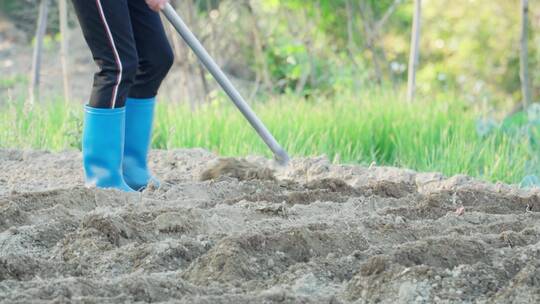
(128, 43)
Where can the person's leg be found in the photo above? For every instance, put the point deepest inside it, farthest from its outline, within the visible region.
(107, 30)
(155, 53)
(155, 60)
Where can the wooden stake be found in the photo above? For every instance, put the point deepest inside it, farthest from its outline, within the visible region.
(38, 49)
(415, 52)
(64, 33)
(524, 55)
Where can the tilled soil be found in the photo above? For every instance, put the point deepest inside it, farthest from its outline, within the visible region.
(236, 231)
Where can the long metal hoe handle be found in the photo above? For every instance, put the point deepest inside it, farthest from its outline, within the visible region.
(279, 153)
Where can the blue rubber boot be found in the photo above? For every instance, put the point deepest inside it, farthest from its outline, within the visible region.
(139, 122)
(103, 148)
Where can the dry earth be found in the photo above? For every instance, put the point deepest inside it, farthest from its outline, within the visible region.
(254, 233)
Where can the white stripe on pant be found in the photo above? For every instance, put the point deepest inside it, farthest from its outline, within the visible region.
(116, 55)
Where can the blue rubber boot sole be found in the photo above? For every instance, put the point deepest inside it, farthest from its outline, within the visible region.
(139, 123)
(103, 148)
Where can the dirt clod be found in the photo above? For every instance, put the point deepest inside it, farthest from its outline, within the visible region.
(237, 168)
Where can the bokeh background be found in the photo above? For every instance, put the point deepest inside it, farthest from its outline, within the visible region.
(327, 76)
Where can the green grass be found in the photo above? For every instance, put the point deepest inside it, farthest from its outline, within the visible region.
(438, 134)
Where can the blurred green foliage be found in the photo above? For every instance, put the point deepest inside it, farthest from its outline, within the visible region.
(470, 47)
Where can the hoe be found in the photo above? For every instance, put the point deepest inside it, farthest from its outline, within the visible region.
(280, 154)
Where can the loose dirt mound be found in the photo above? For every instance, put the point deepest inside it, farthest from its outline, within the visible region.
(251, 232)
